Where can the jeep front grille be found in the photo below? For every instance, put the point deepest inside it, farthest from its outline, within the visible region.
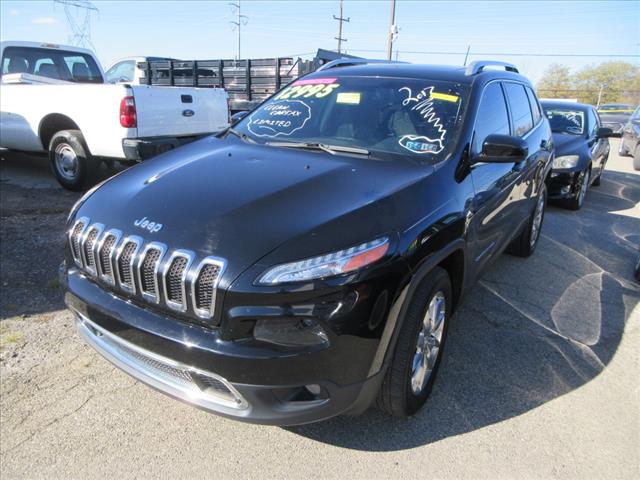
(148, 270)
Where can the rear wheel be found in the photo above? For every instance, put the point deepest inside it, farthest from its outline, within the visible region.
(418, 351)
(71, 162)
(525, 243)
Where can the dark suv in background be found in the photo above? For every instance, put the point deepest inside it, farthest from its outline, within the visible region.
(306, 262)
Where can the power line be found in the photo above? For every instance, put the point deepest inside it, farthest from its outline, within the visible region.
(242, 20)
(79, 29)
(340, 20)
(503, 54)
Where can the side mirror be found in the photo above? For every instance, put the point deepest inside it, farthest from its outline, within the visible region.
(604, 132)
(502, 149)
(236, 117)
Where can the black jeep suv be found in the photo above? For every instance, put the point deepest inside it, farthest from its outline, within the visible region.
(306, 262)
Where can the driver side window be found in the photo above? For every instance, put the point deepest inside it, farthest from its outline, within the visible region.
(492, 116)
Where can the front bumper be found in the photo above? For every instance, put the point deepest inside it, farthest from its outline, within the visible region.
(195, 365)
(563, 184)
(138, 149)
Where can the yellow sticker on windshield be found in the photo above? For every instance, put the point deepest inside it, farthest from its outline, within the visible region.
(352, 98)
(444, 96)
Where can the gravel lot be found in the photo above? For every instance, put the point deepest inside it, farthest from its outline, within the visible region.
(541, 377)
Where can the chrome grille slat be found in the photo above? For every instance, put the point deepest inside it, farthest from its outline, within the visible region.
(75, 236)
(205, 286)
(125, 260)
(148, 268)
(106, 252)
(175, 278)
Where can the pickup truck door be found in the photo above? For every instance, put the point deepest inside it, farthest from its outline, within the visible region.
(179, 111)
(493, 205)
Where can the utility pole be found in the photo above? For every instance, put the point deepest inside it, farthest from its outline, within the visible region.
(340, 20)
(393, 30)
(602, 87)
(242, 20)
(78, 14)
(466, 55)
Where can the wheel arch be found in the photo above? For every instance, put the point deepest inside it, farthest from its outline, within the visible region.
(53, 123)
(451, 258)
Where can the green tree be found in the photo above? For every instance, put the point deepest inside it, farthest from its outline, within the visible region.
(620, 83)
(556, 82)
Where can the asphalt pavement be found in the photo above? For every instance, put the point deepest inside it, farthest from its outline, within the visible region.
(541, 377)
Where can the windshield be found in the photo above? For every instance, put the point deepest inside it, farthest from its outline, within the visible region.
(565, 120)
(393, 116)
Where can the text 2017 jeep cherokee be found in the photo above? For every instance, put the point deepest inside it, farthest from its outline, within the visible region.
(306, 262)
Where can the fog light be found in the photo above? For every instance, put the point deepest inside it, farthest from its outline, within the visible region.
(290, 332)
(313, 388)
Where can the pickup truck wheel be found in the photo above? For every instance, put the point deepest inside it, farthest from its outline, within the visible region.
(527, 240)
(416, 357)
(71, 162)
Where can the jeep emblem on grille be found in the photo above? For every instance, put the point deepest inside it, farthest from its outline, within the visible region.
(153, 227)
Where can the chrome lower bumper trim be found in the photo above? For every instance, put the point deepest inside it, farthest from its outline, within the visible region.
(201, 388)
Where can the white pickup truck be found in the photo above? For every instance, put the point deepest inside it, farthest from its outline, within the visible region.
(54, 98)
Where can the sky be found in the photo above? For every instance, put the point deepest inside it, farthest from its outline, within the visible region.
(530, 34)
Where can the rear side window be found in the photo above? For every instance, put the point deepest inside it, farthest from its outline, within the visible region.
(492, 117)
(52, 63)
(520, 109)
(535, 106)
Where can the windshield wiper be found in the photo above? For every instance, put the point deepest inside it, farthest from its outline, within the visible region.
(332, 149)
(241, 136)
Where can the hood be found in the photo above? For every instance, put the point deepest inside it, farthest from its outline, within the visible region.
(240, 201)
(569, 144)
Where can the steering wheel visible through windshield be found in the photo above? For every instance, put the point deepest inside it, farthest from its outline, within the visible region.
(397, 116)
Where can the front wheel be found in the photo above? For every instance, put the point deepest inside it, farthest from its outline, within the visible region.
(71, 162)
(577, 201)
(418, 351)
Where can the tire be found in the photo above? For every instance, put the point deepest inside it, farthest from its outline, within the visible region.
(576, 202)
(636, 158)
(402, 393)
(596, 182)
(71, 162)
(622, 150)
(527, 240)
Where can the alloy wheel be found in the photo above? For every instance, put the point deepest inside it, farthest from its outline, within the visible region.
(428, 342)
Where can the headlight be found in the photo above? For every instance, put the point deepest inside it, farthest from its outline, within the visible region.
(566, 161)
(328, 265)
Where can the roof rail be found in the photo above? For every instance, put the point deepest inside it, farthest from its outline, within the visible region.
(477, 66)
(347, 62)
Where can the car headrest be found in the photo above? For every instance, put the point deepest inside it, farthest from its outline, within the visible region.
(48, 70)
(80, 71)
(17, 65)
